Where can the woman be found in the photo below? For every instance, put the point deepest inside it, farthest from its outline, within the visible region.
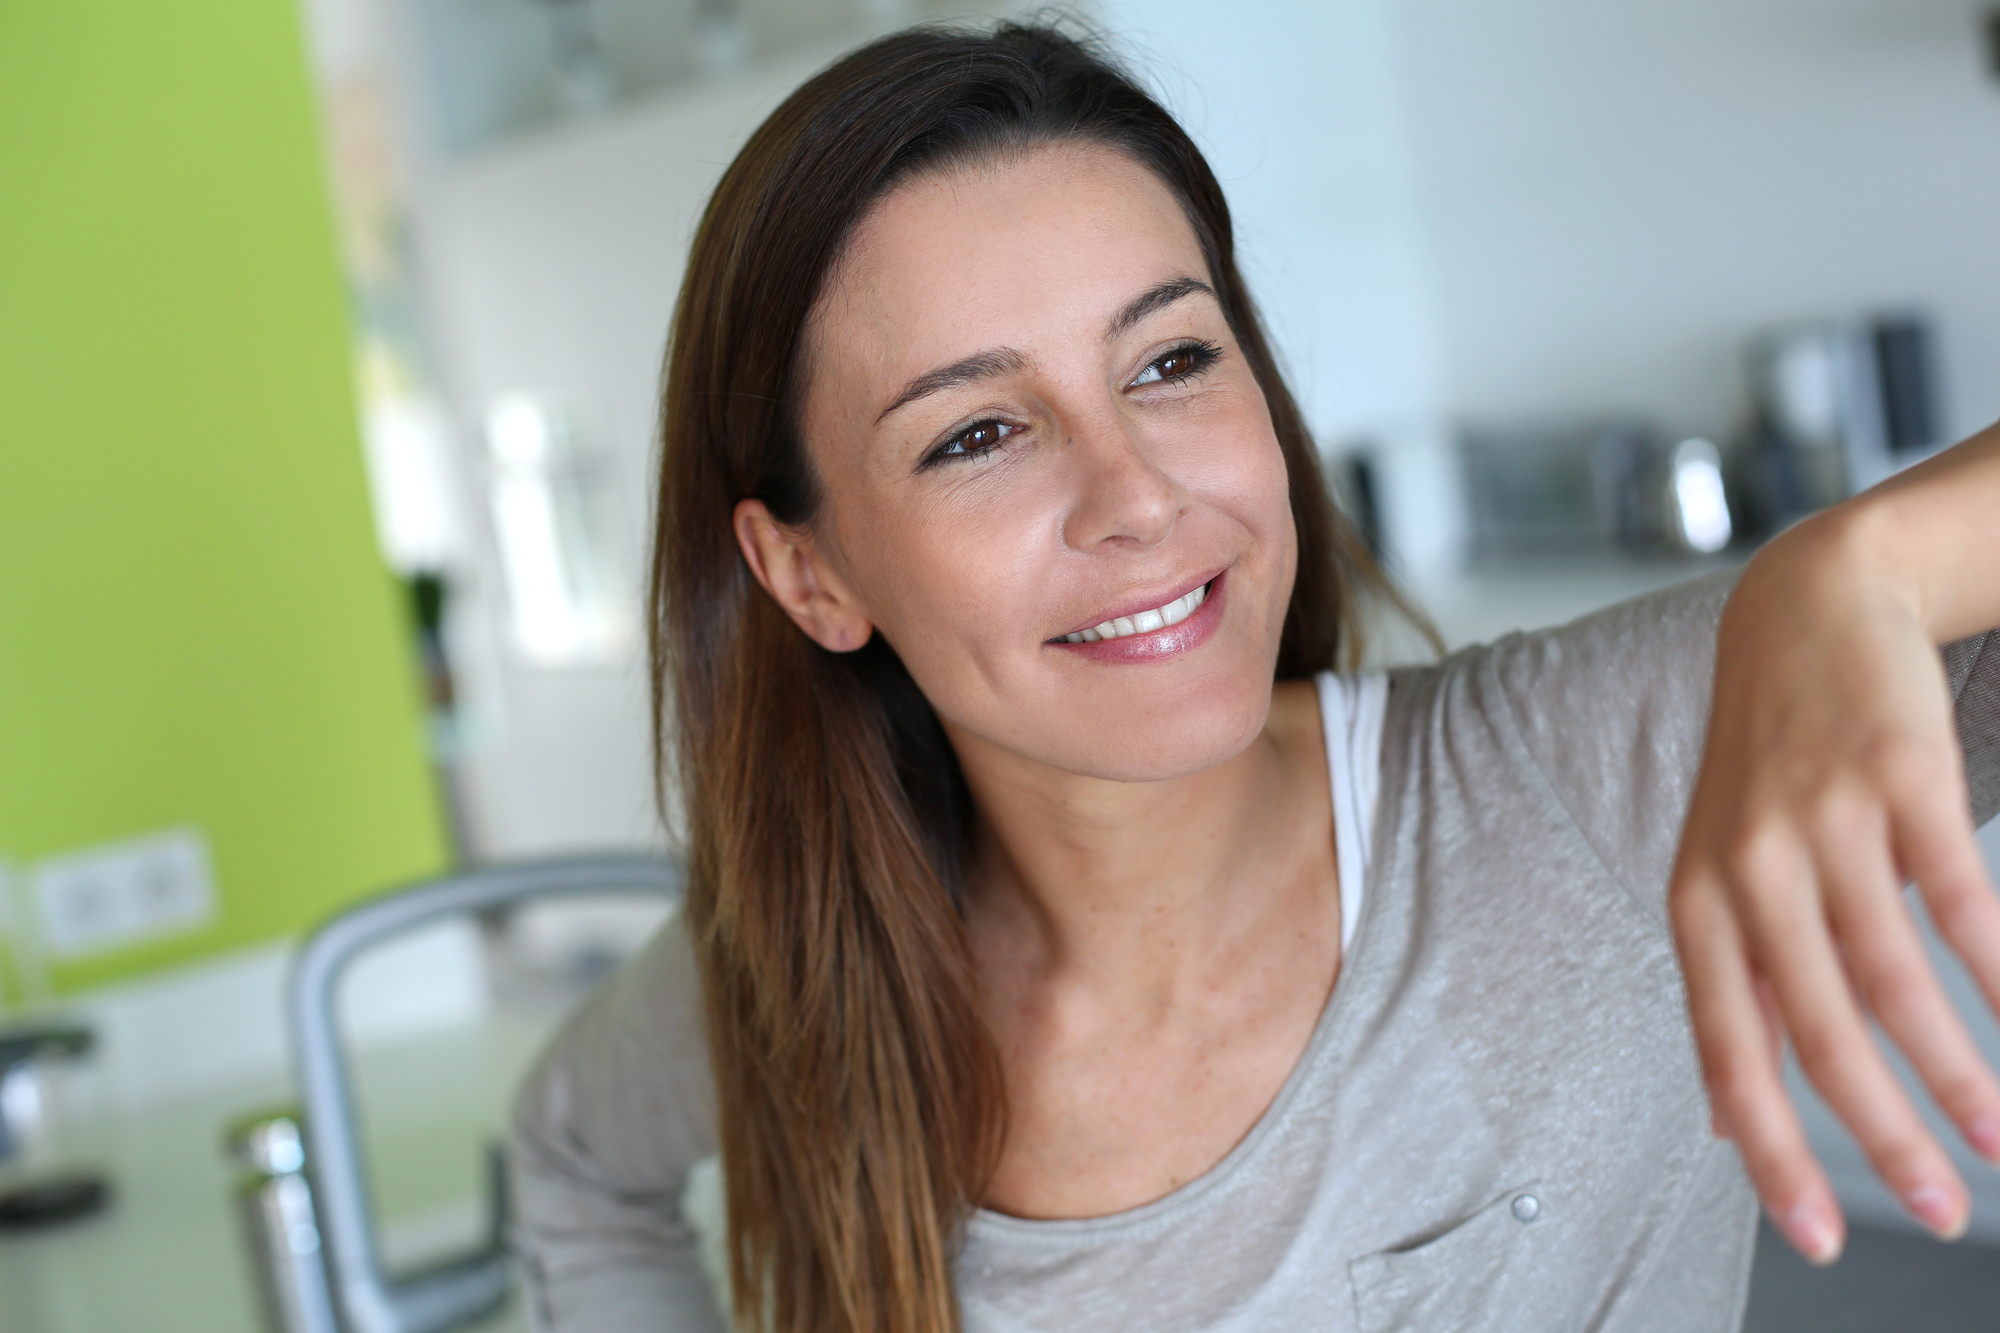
(1066, 947)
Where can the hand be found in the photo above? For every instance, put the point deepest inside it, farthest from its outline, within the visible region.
(1831, 777)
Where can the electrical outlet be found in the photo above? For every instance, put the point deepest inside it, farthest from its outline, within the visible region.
(121, 893)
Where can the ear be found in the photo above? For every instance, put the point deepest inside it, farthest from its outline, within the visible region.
(794, 571)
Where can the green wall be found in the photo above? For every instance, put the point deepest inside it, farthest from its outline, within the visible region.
(194, 623)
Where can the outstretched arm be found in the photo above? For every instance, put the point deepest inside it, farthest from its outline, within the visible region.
(1832, 775)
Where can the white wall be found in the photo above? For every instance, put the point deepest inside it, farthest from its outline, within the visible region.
(551, 266)
(1614, 193)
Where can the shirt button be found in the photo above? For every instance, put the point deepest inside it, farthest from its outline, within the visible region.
(1526, 1208)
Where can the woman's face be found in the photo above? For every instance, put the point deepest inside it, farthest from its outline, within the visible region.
(1030, 421)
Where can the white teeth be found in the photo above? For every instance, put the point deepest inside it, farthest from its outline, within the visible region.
(1173, 613)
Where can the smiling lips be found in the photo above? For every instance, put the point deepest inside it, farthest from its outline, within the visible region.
(1158, 635)
(1145, 622)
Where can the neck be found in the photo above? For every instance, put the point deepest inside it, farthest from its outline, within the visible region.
(1146, 886)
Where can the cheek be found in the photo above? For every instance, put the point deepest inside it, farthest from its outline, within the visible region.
(1264, 488)
(1259, 500)
(948, 583)
(1259, 486)
(1245, 481)
(1275, 511)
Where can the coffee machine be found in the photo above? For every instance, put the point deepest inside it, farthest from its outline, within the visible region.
(1838, 406)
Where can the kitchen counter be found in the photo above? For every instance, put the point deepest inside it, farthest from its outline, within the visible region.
(168, 1255)
(1502, 596)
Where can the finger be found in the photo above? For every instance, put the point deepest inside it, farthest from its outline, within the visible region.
(1774, 1023)
(1774, 1042)
(1935, 845)
(1789, 943)
(1894, 972)
(1740, 1063)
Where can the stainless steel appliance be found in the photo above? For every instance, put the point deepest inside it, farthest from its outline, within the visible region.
(1839, 405)
(37, 1186)
(1563, 489)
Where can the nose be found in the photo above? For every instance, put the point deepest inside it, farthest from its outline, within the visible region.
(1122, 496)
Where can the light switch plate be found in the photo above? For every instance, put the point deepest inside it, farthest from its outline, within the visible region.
(121, 893)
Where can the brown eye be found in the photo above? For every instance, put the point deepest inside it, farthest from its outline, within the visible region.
(980, 438)
(971, 442)
(1180, 364)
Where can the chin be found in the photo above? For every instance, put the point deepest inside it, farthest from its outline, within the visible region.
(1144, 731)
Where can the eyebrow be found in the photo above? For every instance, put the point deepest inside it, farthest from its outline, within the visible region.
(979, 366)
(1153, 300)
(1007, 361)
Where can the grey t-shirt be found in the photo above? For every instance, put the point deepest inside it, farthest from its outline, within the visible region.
(1498, 1122)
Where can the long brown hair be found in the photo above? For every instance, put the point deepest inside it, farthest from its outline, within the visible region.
(861, 1105)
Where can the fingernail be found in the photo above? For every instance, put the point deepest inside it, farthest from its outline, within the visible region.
(1814, 1234)
(1938, 1210)
(1984, 1136)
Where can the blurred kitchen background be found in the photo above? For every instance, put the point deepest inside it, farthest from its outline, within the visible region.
(329, 343)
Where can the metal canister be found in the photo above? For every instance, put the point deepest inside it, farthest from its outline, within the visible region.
(39, 1186)
(275, 1201)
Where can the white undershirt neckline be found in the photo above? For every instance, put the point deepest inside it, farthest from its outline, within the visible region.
(1351, 708)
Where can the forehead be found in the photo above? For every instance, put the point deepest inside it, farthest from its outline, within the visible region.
(1032, 246)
